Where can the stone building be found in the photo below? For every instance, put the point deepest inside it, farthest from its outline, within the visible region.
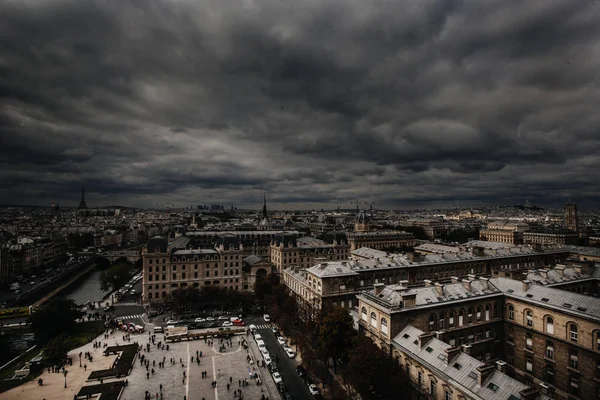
(545, 337)
(559, 237)
(504, 232)
(169, 267)
(288, 250)
(444, 372)
(380, 239)
(571, 217)
(337, 282)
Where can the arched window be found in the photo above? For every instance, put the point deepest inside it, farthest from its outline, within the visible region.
(431, 323)
(373, 319)
(511, 312)
(549, 350)
(461, 318)
(488, 312)
(495, 310)
(479, 314)
(573, 332)
(442, 321)
(451, 320)
(529, 318)
(363, 312)
(470, 315)
(597, 339)
(384, 326)
(550, 325)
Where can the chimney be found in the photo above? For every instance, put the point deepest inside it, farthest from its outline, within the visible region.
(378, 288)
(454, 279)
(543, 273)
(451, 354)
(478, 251)
(472, 277)
(577, 268)
(501, 366)
(403, 282)
(530, 393)
(424, 338)
(409, 299)
(560, 268)
(439, 335)
(428, 282)
(483, 371)
(466, 348)
(439, 288)
(413, 256)
(467, 284)
(526, 284)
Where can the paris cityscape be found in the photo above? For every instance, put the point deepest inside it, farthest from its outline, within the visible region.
(312, 200)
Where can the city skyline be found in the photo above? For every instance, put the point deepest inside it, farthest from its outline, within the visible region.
(401, 104)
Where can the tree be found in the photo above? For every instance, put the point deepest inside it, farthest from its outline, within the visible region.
(56, 350)
(116, 276)
(54, 318)
(336, 334)
(184, 298)
(264, 287)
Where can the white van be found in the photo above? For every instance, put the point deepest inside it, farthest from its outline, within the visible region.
(158, 329)
(267, 318)
(260, 343)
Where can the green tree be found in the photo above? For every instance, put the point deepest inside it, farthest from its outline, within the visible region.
(184, 299)
(56, 350)
(54, 318)
(336, 334)
(116, 276)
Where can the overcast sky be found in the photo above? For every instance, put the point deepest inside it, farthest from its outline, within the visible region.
(400, 103)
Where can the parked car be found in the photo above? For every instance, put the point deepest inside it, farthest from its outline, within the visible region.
(264, 350)
(257, 337)
(210, 319)
(312, 388)
(158, 329)
(227, 324)
(274, 330)
(223, 318)
(287, 396)
(277, 377)
(281, 387)
(267, 359)
(273, 367)
(281, 340)
(252, 327)
(267, 318)
(290, 353)
(238, 322)
(198, 320)
(260, 343)
(171, 322)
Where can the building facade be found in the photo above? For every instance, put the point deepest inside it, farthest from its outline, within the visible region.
(288, 250)
(549, 237)
(380, 239)
(571, 217)
(504, 232)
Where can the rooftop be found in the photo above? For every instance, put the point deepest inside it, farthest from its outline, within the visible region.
(564, 301)
(461, 371)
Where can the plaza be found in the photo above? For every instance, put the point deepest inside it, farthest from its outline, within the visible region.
(181, 379)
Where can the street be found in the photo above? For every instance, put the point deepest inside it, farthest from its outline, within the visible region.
(287, 367)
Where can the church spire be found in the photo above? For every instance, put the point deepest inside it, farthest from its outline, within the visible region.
(265, 206)
(82, 205)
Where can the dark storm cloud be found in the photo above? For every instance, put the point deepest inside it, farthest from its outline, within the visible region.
(394, 102)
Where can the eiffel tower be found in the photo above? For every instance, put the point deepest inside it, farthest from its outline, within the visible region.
(82, 205)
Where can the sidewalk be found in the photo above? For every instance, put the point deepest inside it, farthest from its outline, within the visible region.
(263, 373)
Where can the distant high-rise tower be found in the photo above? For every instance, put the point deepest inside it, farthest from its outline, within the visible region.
(571, 216)
(82, 205)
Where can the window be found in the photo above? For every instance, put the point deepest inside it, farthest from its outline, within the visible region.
(461, 318)
(487, 312)
(451, 320)
(420, 379)
(529, 318)
(550, 325)
(479, 313)
(549, 350)
(493, 387)
(432, 389)
(384, 326)
(574, 385)
(598, 368)
(363, 313)
(597, 335)
(431, 323)
(441, 321)
(373, 319)
(573, 358)
(447, 395)
(573, 332)
(550, 374)
(470, 316)
(511, 312)
(528, 340)
(529, 364)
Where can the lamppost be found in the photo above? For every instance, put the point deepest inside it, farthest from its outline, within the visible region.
(80, 359)
(65, 374)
